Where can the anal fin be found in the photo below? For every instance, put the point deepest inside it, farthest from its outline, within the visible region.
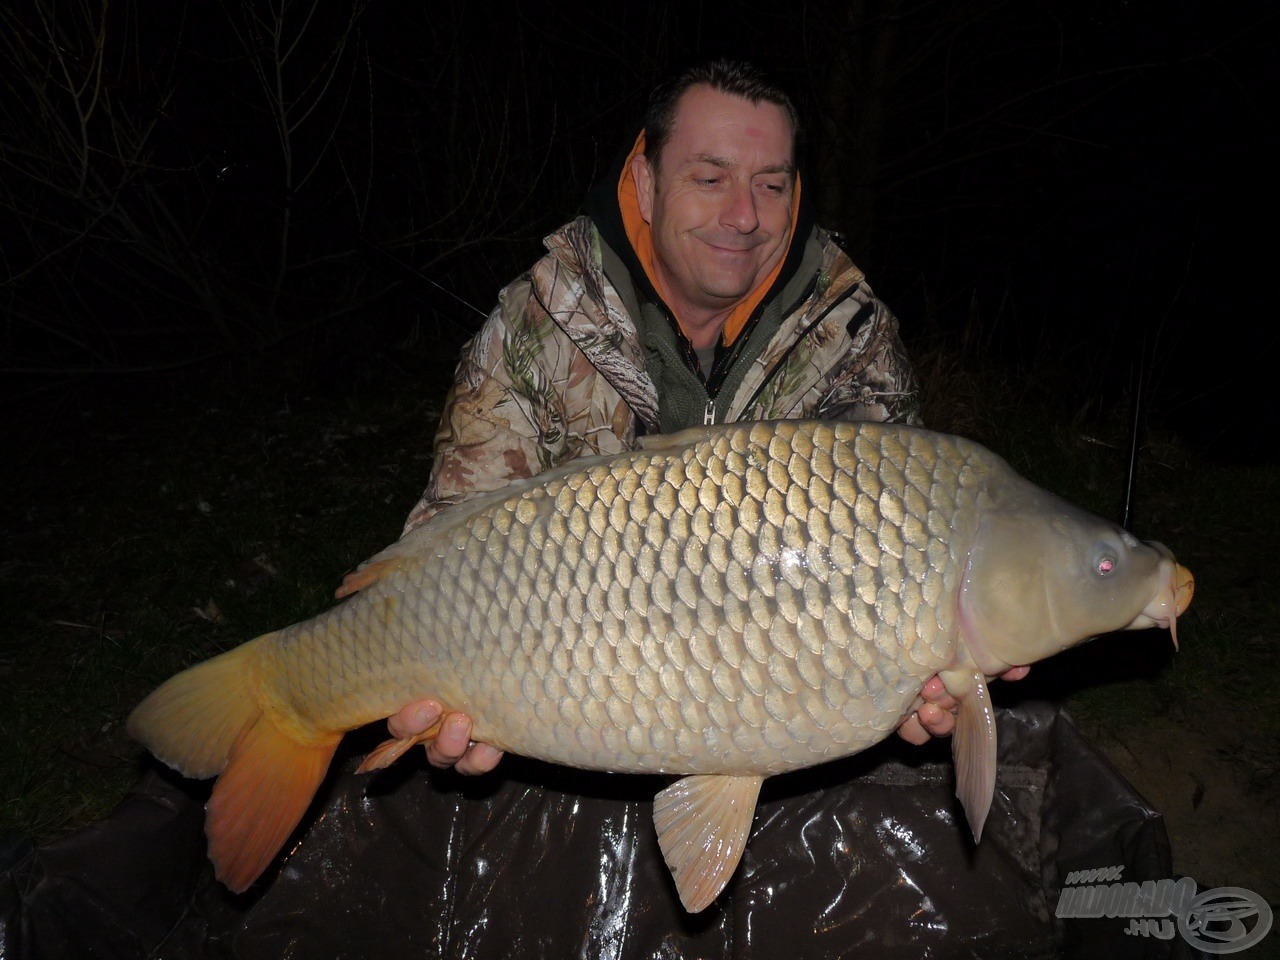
(703, 823)
(389, 751)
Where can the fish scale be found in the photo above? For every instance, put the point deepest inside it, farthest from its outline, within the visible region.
(464, 641)
(728, 603)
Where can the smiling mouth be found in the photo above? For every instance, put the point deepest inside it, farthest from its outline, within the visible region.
(720, 248)
(731, 244)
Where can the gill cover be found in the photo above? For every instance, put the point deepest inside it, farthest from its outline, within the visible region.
(1044, 575)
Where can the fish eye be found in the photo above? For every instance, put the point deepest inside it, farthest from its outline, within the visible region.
(1105, 564)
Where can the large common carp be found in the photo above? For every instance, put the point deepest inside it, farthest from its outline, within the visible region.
(727, 603)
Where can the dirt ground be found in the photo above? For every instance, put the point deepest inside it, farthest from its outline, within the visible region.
(1223, 829)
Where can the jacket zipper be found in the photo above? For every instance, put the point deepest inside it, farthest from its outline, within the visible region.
(723, 367)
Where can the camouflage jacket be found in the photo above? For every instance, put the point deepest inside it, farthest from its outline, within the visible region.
(562, 369)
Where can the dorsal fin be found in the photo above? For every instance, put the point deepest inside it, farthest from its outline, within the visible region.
(688, 437)
(364, 575)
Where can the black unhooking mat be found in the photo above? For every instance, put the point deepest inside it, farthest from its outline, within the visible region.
(866, 857)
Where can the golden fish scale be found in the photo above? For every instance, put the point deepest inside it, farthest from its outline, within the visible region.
(762, 600)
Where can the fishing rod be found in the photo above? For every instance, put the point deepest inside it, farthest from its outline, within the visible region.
(1134, 429)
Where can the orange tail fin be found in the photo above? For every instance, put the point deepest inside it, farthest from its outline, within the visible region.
(209, 720)
(260, 797)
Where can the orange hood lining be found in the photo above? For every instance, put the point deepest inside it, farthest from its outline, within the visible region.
(641, 238)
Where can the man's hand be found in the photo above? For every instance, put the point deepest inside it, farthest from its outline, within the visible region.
(937, 717)
(453, 746)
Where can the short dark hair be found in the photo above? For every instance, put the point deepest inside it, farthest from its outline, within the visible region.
(735, 77)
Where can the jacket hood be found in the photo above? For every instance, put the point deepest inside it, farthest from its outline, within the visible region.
(611, 205)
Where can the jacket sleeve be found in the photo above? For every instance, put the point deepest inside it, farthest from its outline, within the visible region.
(502, 420)
(875, 379)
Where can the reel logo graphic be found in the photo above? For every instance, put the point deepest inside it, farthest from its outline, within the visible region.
(1218, 921)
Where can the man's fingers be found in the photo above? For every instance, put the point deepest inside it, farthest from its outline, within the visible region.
(414, 718)
(912, 732)
(454, 748)
(451, 743)
(479, 758)
(936, 719)
(935, 692)
(451, 746)
(931, 720)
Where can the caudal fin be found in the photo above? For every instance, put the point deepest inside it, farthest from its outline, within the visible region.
(209, 720)
(260, 797)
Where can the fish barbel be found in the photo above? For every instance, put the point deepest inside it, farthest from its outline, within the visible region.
(725, 604)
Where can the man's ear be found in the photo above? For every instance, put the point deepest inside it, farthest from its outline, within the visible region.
(642, 173)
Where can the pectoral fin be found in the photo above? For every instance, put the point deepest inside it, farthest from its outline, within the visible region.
(973, 747)
(703, 823)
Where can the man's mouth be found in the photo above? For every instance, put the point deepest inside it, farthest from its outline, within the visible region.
(722, 245)
(733, 253)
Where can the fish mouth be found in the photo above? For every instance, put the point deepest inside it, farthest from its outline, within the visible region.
(1170, 601)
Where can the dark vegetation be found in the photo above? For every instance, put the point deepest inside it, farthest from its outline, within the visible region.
(240, 246)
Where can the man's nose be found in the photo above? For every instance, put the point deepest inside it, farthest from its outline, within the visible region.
(739, 211)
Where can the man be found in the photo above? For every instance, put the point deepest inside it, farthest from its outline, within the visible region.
(695, 290)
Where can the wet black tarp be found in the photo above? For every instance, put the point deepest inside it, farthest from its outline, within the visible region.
(865, 857)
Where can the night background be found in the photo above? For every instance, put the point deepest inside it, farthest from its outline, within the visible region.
(218, 189)
(241, 244)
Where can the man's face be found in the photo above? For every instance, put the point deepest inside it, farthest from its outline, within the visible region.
(719, 202)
